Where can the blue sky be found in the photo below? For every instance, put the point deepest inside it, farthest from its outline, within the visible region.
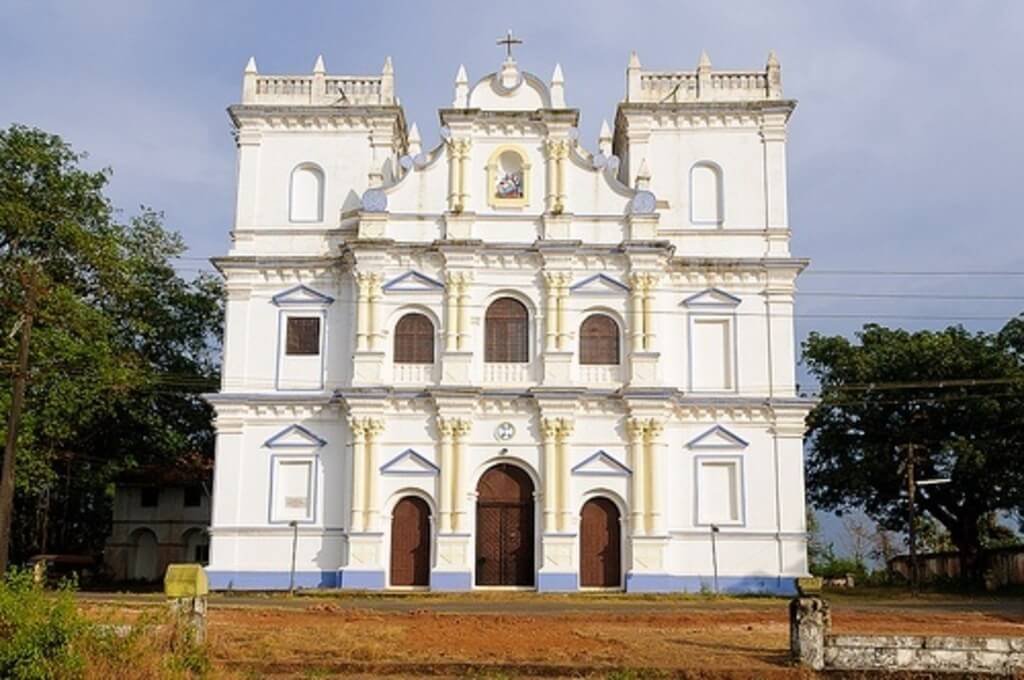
(905, 151)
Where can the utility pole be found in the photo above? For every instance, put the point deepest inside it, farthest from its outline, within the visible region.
(714, 554)
(13, 421)
(912, 506)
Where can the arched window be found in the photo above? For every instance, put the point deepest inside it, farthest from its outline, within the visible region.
(306, 195)
(599, 340)
(706, 194)
(414, 340)
(507, 332)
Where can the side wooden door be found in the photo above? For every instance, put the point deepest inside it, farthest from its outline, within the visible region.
(410, 543)
(600, 545)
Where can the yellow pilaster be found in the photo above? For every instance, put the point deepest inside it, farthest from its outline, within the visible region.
(446, 490)
(565, 428)
(460, 428)
(636, 428)
(549, 430)
(358, 472)
(374, 280)
(652, 468)
(650, 281)
(373, 428)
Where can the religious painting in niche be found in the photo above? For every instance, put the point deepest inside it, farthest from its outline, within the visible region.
(510, 176)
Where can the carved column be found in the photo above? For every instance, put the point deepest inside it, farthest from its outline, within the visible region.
(451, 320)
(636, 427)
(458, 195)
(652, 437)
(363, 311)
(563, 294)
(549, 430)
(373, 428)
(373, 303)
(460, 428)
(556, 151)
(550, 310)
(358, 430)
(453, 177)
(446, 490)
(650, 281)
(463, 339)
(637, 288)
(565, 428)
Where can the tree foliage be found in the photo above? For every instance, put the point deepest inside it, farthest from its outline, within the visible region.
(957, 396)
(121, 346)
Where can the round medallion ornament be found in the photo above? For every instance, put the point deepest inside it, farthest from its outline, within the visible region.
(504, 432)
(406, 162)
(375, 201)
(600, 161)
(643, 203)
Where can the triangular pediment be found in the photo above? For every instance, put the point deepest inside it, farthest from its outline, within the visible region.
(601, 464)
(412, 282)
(717, 437)
(599, 284)
(409, 462)
(712, 297)
(294, 437)
(302, 295)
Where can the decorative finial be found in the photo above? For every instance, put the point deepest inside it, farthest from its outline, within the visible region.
(508, 41)
(461, 89)
(643, 176)
(773, 61)
(388, 68)
(634, 60)
(604, 138)
(250, 66)
(557, 88)
(705, 60)
(415, 143)
(318, 67)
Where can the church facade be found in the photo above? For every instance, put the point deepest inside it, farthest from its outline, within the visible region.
(512, 359)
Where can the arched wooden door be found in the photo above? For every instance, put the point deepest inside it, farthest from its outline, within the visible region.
(504, 528)
(410, 543)
(600, 545)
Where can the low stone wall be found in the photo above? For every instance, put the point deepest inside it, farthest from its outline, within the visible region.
(814, 646)
(924, 653)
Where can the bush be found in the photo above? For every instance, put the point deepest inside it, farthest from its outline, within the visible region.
(37, 629)
(44, 637)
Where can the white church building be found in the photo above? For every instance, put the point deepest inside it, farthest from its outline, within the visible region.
(513, 358)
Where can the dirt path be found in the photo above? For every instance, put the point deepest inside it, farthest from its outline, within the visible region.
(544, 636)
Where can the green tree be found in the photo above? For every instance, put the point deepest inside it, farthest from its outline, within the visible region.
(957, 396)
(109, 347)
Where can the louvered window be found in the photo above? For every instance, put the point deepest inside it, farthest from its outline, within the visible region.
(414, 340)
(303, 335)
(599, 340)
(507, 332)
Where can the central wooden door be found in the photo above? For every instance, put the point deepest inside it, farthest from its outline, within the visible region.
(600, 545)
(410, 543)
(504, 528)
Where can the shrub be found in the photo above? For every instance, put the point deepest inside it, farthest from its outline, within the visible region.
(37, 629)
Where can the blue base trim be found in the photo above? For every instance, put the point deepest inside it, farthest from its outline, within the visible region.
(732, 585)
(556, 583)
(363, 580)
(451, 580)
(270, 580)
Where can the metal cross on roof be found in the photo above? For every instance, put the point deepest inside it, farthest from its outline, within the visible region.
(508, 41)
